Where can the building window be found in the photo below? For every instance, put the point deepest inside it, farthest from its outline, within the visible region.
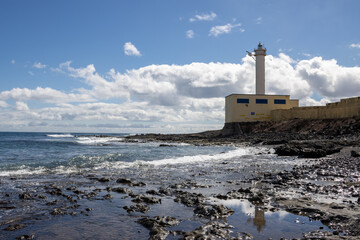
(279, 101)
(261, 101)
(242, 100)
(252, 113)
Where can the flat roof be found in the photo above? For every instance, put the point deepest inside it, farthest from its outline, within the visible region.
(256, 94)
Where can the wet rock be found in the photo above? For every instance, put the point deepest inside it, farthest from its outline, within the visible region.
(26, 237)
(157, 226)
(212, 230)
(57, 211)
(355, 153)
(146, 199)
(152, 192)
(213, 211)
(130, 182)
(53, 202)
(308, 149)
(121, 190)
(137, 208)
(15, 227)
(189, 199)
(104, 179)
(25, 196)
(108, 196)
(167, 145)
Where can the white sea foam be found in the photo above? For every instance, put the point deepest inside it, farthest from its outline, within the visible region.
(102, 162)
(68, 135)
(93, 140)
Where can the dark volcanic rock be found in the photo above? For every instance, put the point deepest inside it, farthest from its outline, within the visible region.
(25, 196)
(137, 208)
(127, 181)
(157, 226)
(355, 153)
(213, 211)
(26, 237)
(308, 149)
(14, 227)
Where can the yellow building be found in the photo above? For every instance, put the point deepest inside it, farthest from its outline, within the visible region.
(255, 107)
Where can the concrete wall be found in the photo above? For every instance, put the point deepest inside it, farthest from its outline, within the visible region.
(349, 107)
(252, 111)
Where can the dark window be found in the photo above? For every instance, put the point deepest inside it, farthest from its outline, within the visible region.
(252, 113)
(261, 101)
(279, 101)
(242, 100)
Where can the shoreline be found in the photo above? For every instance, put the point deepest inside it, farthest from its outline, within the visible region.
(159, 203)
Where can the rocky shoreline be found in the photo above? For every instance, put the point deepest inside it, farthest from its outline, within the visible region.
(334, 174)
(158, 204)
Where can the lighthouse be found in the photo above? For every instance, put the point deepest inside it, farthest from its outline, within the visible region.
(260, 54)
(259, 106)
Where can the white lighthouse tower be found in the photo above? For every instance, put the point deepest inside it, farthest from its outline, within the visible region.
(260, 54)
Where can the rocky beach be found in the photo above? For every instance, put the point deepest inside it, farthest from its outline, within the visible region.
(313, 188)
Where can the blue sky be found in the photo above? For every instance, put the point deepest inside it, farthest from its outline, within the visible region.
(166, 66)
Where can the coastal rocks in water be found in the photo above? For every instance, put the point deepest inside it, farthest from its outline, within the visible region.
(189, 199)
(14, 227)
(137, 208)
(149, 200)
(355, 153)
(157, 226)
(121, 190)
(26, 237)
(127, 181)
(213, 211)
(308, 149)
(213, 230)
(25, 196)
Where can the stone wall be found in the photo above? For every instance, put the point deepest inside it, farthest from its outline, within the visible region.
(349, 107)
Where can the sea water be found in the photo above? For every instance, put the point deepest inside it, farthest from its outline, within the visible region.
(30, 162)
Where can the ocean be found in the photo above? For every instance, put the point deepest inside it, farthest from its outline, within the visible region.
(75, 172)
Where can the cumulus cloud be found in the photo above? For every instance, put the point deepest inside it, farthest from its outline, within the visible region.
(203, 17)
(131, 50)
(222, 29)
(355, 45)
(39, 65)
(48, 95)
(3, 104)
(175, 94)
(259, 20)
(330, 79)
(21, 106)
(190, 34)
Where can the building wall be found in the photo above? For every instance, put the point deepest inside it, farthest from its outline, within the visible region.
(349, 107)
(250, 107)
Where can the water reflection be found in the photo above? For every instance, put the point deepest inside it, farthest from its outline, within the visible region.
(259, 219)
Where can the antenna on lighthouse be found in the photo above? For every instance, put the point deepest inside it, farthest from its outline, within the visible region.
(251, 55)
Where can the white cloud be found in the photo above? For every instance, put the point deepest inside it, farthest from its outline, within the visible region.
(48, 95)
(39, 65)
(131, 50)
(13, 61)
(164, 96)
(330, 79)
(217, 30)
(355, 45)
(3, 104)
(259, 20)
(203, 17)
(190, 34)
(21, 106)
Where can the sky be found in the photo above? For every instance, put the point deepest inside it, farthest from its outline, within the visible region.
(165, 66)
